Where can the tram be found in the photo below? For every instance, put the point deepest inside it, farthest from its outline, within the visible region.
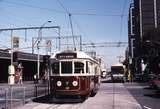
(74, 73)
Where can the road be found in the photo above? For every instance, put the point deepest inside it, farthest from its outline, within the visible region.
(110, 96)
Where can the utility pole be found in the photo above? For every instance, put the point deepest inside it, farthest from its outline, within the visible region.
(39, 38)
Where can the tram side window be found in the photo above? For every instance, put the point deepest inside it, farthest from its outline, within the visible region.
(91, 68)
(78, 67)
(55, 68)
(87, 69)
(66, 67)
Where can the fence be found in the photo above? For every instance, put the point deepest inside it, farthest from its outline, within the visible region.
(16, 95)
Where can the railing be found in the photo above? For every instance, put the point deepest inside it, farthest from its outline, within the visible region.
(17, 95)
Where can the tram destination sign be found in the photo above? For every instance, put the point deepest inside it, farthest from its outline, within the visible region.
(66, 56)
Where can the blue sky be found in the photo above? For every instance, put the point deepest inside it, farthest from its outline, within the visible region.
(103, 26)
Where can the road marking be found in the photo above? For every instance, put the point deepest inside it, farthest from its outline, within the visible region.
(134, 103)
(147, 107)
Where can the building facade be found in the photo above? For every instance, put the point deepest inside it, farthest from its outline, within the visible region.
(143, 19)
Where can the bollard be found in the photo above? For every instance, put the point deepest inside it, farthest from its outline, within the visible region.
(24, 94)
(36, 90)
(6, 99)
(11, 97)
(45, 89)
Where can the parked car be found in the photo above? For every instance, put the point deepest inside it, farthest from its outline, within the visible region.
(155, 82)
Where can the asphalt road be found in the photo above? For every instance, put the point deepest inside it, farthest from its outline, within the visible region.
(148, 98)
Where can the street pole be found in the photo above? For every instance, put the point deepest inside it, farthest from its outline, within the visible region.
(39, 40)
(11, 47)
(38, 61)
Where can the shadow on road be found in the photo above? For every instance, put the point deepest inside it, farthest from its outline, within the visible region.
(153, 95)
(48, 99)
(144, 95)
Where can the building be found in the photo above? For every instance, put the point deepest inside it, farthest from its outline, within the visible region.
(144, 16)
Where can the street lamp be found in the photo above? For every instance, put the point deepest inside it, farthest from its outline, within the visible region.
(39, 40)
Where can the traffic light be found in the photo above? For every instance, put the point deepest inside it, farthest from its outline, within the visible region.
(15, 56)
(46, 60)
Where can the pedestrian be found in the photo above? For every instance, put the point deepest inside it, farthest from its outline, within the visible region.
(20, 71)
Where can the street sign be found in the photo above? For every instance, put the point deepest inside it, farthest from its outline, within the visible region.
(11, 70)
(15, 42)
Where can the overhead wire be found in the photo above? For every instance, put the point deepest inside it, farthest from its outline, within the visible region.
(66, 11)
(70, 20)
(95, 14)
(62, 12)
(80, 29)
(14, 17)
(122, 16)
(32, 6)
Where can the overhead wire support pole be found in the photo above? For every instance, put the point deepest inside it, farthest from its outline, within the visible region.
(31, 28)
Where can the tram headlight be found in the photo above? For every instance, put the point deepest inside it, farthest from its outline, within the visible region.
(75, 83)
(59, 83)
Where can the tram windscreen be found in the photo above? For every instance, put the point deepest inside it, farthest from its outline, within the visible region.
(66, 67)
(55, 68)
(78, 67)
(117, 70)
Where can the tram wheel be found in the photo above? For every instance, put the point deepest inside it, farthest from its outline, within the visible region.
(83, 97)
(93, 93)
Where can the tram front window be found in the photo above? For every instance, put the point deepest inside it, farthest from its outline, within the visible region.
(55, 68)
(78, 67)
(66, 67)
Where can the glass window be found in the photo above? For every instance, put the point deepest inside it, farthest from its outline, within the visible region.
(117, 70)
(66, 67)
(87, 67)
(78, 67)
(55, 68)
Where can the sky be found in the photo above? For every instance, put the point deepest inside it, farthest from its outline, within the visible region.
(95, 20)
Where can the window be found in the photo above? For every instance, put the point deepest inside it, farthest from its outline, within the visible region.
(55, 68)
(66, 67)
(78, 67)
(87, 67)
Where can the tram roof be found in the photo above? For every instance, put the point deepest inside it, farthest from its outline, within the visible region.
(80, 54)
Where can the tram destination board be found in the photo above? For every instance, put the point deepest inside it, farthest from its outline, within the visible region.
(66, 56)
